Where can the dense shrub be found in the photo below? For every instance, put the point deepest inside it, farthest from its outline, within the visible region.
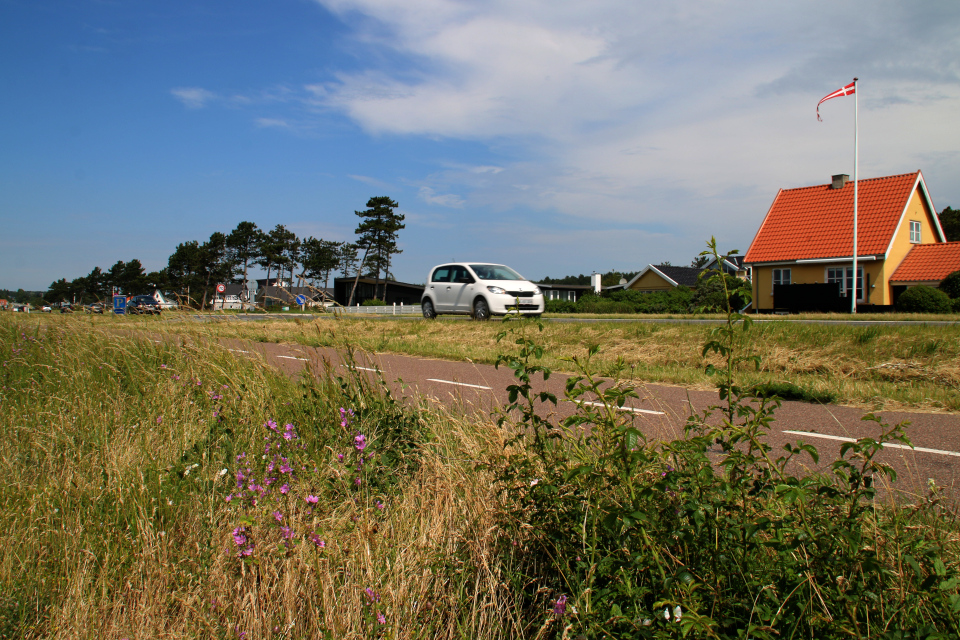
(923, 299)
(951, 285)
(373, 302)
(629, 301)
(609, 535)
(560, 306)
(709, 294)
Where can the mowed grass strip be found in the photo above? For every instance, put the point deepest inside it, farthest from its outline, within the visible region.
(884, 366)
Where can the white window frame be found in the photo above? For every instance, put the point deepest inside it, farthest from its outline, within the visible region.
(780, 276)
(915, 230)
(846, 280)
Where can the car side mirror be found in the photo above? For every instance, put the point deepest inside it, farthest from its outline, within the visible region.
(465, 280)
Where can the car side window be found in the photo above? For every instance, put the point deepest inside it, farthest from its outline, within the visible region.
(442, 274)
(460, 274)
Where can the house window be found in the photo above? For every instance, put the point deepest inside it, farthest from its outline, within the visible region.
(844, 275)
(781, 276)
(914, 232)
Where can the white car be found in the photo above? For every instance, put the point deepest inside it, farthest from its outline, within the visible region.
(479, 289)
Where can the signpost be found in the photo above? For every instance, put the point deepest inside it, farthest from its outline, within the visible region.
(120, 305)
(222, 289)
(301, 300)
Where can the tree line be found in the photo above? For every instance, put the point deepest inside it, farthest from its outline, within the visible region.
(195, 268)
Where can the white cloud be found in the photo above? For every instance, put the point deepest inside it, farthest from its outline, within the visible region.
(373, 182)
(429, 196)
(193, 97)
(631, 111)
(272, 123)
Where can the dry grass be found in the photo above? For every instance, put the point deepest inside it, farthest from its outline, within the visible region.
(115, 524)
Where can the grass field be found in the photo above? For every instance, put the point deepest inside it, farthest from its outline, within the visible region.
(150, 490)
(914, 366)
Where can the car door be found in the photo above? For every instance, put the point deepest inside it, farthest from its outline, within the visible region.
(439, 287)
(461, 290)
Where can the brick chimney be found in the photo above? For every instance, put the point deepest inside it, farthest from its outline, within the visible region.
(839, 180)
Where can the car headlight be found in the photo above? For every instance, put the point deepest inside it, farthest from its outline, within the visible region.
(497, 290)
(536, 291)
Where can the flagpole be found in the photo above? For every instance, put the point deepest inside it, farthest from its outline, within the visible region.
(856, 159)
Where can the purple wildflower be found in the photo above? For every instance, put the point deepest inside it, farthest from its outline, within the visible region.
(360, 442)
(312, 499)
(239, 536)
(285, 489)
(560, 608)
(381, 619)
(278, 516)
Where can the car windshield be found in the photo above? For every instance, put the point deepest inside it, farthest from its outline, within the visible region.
(495, 272)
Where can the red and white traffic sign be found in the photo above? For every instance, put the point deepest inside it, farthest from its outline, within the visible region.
(221, 288)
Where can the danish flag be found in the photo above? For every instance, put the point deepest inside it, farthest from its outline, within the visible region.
(845, 91)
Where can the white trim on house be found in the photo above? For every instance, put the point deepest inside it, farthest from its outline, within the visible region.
(926, 197)
(658, 272)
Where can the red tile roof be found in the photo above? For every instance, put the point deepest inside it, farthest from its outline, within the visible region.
(817, 222)
(928, 262)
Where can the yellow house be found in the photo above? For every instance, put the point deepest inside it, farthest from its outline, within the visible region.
(807, 238)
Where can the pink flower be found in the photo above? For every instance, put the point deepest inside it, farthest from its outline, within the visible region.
(381, 619)
(285, 489)
(278, 516)
(159, 419)
(239, 536)
(340, 457)
(312, 499)
(379, 505)
(228, 498)
(287, 532)
(560, 608)
(360, 442)
(285, 468)
(317, 540)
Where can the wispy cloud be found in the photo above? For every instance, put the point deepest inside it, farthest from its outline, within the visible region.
(430, 196)
(193, 97)
(373, 182)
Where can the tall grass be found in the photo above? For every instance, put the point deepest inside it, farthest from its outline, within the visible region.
(119, 455)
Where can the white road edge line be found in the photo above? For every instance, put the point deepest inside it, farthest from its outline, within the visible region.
(293, 358)
(460, 384)
(359, 368)
(885, 446)
(600, 404)
(238, 350)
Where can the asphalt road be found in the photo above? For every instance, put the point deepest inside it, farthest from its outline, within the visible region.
(660, 412)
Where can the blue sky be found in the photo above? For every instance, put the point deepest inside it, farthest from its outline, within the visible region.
(557, 137)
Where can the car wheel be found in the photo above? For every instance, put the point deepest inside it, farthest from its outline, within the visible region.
(428, 312)
(481, 310)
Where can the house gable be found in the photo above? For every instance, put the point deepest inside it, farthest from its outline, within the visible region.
(816, 223)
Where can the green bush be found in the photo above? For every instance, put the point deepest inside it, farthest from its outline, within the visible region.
(560, 306)
(373, 302)
(923, 299)
(709, 294)
(951, 285)
(610, 535)
(956, 305)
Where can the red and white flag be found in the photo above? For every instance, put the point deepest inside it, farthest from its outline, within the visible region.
(846, 91)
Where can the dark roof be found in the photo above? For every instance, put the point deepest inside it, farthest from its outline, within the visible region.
(569, 287)
(686, 276)
(392, 283)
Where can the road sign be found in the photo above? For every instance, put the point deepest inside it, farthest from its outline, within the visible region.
(221, 288)
(119, 305)
(301, 299)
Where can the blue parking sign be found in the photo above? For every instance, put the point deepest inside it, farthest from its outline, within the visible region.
(120, 304)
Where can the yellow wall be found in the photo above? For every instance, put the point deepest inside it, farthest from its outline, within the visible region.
(876, 272)
(651, 281)
(817, 273)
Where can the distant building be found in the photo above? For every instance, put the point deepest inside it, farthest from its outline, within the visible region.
(396, 292)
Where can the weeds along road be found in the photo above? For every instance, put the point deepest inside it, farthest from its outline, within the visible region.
(660, 412)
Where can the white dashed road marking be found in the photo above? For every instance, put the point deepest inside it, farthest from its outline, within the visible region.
(293, 358)
(886, 445)
(460, 384)
(631, 409)
(238, 350)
